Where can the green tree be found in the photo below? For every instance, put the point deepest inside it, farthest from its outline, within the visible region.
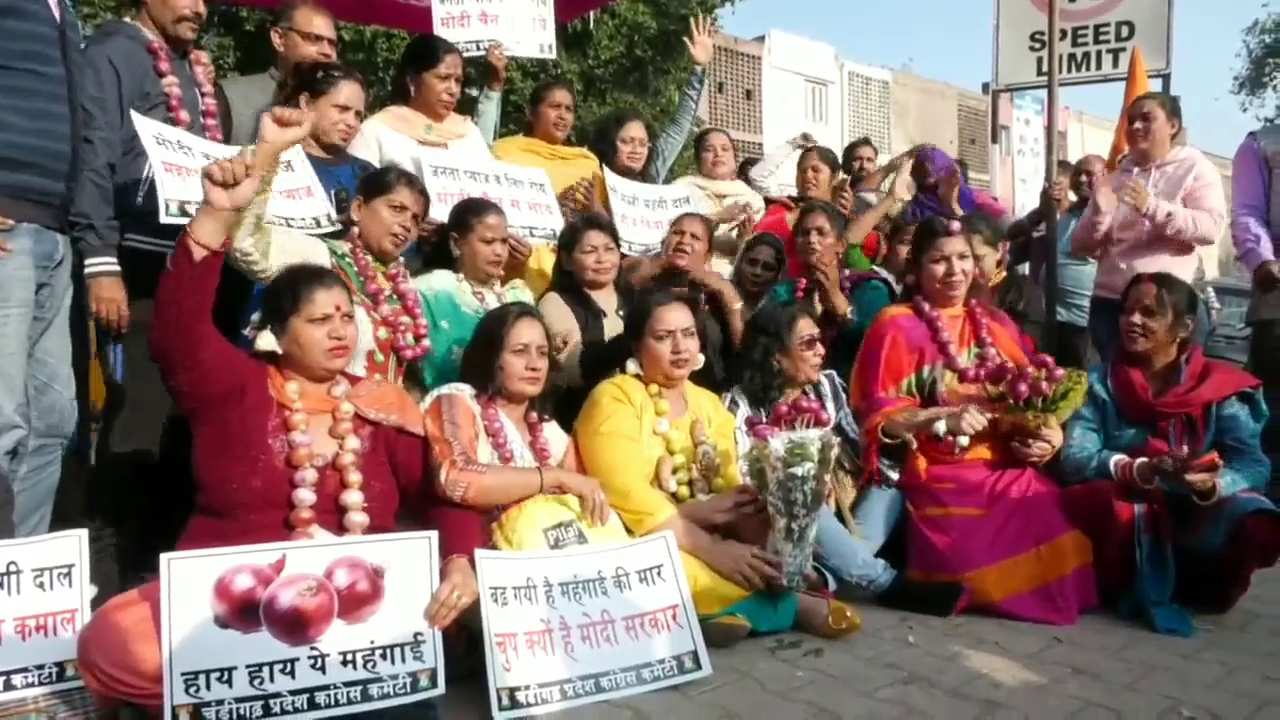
(631, 55)
(1257, 81)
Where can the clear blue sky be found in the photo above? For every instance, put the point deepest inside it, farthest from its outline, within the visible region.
(950, 40)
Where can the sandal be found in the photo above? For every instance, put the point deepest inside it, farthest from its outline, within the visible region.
(841, 619)
(724, 631)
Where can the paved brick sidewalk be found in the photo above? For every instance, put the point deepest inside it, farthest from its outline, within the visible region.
(910, 666)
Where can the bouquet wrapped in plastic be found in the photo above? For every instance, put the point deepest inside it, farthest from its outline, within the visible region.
(791, 460)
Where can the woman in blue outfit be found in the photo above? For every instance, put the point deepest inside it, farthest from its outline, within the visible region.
(784, 359)
(1170, 442)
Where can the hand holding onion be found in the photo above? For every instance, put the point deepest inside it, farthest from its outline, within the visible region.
(458, 589)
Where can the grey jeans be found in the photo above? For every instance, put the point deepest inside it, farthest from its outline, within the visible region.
(37, 385)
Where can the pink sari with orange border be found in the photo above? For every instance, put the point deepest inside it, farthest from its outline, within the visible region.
(978, 516)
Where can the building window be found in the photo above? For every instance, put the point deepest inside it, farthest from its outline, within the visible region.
(1006, 142)
(815, 102)
(749, 94)
(720, 88)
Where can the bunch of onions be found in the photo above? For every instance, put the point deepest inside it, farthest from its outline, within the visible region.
(1028, 387)
(802, 413)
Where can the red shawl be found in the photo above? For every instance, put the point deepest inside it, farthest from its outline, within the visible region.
(1180, 412)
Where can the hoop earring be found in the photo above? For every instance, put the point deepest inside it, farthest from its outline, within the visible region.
(699, 362)
(632, 367)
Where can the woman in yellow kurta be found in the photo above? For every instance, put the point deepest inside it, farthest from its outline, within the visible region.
(574, 171)
(642, 425)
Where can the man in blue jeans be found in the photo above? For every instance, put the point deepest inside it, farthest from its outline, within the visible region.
(40, 64)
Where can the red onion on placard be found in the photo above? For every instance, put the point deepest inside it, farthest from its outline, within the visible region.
(237, 595)
(298, 609)
(359, 585)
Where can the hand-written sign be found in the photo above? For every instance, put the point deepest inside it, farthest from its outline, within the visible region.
(582, 625)
(1095, 40)
(643, 212)
(298, 200)
(338, 630)
(525, 194)
(526, 28)
(44, 601)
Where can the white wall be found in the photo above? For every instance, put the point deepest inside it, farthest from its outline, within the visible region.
(800, 78)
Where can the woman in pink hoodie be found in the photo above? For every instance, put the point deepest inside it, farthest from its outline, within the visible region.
(1150, 215)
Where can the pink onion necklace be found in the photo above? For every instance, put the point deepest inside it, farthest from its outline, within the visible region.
(803, 284)
(406, 320)
(491, 417)
(987, 358)
(307, 463)
(202, 71)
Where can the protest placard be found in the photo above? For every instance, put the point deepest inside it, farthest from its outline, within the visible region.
(314, 629)
(643, 212)
(526, 28)
(525, 193)
(582, 625)
(44, 601)
(178, 158)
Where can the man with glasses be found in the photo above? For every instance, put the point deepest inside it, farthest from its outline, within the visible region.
(302, 31)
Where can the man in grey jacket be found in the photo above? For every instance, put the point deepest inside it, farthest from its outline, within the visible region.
(302, 31)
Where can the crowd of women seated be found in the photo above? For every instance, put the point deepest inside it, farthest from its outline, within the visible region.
(500, 376)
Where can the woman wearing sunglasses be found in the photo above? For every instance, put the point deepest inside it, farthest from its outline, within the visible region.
(783, 361)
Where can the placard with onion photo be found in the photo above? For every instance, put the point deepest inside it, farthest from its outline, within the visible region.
(293, 629)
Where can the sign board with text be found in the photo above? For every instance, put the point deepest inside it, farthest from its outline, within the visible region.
(44, 602)
(291, 629)
(586, 624)
(1095, 40)
(298, 201)
(524, 193)
(526, 28)
(643, 211)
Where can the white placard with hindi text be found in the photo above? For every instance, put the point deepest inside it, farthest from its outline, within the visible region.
(44, 602)
(298, 200)
(325, 639)
(643, 211)
(526, 28)
(586, 624)
(525, 193)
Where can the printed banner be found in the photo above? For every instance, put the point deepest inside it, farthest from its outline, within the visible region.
(525, 193)
(582, 625)
(44, 601)
(643, 212)
(293, 629)
(298, 200)
(526, 28)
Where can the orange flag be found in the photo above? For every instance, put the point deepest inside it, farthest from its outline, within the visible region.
(1134, 85)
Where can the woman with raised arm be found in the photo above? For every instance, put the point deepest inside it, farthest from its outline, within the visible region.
(390, 203)
(624, 140)
(287, 446)
(423, 114)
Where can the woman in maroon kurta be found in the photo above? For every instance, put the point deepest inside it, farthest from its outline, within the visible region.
(264, 432)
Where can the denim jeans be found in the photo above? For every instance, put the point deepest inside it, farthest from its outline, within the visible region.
(37, 385)
(851, 556)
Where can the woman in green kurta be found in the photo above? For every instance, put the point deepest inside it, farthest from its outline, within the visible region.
(454, 299)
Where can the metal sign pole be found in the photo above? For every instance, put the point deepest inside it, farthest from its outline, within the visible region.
(1050, 336)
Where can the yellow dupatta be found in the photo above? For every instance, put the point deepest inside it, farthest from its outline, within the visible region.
(565, 165)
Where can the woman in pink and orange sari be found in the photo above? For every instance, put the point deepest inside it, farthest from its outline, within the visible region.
(979, 510)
